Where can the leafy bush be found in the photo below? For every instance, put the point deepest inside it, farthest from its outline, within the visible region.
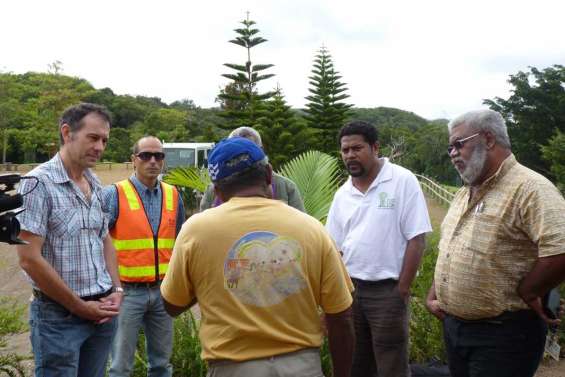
(11, 315)
(186, 359)
(426, 335)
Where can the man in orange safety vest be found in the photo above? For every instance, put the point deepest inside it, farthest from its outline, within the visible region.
(145, 216)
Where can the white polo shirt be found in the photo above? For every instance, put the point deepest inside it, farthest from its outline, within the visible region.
(373, 229)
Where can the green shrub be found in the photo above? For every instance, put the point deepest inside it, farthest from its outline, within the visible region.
(11, 314)
(185, 359)
(426, 335)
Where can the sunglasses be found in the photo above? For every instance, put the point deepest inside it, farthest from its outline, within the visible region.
(458, 144)
(146, 156)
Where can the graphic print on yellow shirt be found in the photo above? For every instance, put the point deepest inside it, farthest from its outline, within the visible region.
(263, 269)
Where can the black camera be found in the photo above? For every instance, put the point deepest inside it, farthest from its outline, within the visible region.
(9, 225)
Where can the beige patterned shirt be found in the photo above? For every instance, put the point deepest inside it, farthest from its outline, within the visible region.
(490, 243)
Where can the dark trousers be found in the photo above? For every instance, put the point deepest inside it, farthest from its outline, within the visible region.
(381, 330)
(510, 345)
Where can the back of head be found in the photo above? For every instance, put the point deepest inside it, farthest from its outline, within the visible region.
(74, 115)
(237, 163)
(359, 127)
(248, 133)
(485, 120)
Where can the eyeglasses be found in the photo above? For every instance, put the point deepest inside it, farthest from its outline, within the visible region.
(146, 156)
(458, 144)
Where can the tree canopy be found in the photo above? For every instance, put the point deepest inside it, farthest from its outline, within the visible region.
(534, 114)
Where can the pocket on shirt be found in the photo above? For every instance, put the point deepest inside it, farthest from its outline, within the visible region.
(485, 229)
(65, 222)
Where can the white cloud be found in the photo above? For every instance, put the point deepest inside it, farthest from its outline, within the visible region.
(436, 58)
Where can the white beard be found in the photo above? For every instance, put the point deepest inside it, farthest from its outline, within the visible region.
(475, 165)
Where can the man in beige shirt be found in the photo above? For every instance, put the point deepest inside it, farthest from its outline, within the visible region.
(502, 248)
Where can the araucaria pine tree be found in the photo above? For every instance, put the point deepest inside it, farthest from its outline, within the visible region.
(240, 101)
(284, 135)
(325, 111)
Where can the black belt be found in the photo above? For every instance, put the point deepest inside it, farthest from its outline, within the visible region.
(146, 284)
(42, 296)
(372, 283)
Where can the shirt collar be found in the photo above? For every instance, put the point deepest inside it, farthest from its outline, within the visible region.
(60, 175)
(503, 169)
(142, 188)
(385, 174)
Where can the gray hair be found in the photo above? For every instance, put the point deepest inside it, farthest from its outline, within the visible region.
(484, 120)
(248, 133)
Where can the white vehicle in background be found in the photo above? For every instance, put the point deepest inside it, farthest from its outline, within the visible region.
(186, 154)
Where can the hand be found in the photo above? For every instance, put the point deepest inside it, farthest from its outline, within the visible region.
(404, 291)
(537, 307)
(93, 310)
(434, 308)
(112, 303)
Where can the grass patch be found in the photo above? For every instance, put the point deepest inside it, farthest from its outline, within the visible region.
(11, 314)
(11, 365)
(451, 189)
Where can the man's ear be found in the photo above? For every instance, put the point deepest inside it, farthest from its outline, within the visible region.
(219, 194)
(376, 147)
(66, 132)
(490, 140)
(269, 175)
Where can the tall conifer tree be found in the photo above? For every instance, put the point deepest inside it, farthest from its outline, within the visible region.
(325, 111)
(240, 100)
(284, 135)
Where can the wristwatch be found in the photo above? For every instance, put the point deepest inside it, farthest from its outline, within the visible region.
(117, 290)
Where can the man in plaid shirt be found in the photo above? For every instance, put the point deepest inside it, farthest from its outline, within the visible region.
(69, 257)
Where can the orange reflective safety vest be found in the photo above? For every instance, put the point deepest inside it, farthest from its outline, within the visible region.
(142, 255)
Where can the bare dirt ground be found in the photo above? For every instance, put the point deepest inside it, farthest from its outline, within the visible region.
(13, 283)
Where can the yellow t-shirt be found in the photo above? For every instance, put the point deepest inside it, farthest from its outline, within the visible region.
(259, 270)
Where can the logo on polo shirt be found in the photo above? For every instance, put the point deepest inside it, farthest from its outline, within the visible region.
(385, 201)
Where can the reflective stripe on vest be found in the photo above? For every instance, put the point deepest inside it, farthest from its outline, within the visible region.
(143, 243)
(132, 272)
(140, 259)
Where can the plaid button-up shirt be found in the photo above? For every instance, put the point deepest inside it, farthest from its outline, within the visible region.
(490, 243)
(73, 227)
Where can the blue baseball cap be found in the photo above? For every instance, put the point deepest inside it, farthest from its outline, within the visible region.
(232, 156)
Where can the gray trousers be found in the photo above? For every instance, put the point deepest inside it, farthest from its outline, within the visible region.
(381, 318)
(303, 363)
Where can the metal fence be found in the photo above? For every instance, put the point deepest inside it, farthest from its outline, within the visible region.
(435, 190)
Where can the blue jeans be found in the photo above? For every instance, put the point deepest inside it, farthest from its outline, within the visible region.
(66, 345)
(143, 306)
(510, 345)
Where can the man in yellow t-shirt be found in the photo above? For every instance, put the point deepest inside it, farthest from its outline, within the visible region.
(259, 270)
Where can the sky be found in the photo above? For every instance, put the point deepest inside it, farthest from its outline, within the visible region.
(435, 58)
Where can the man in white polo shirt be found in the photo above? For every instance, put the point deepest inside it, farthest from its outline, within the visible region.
(378, 220)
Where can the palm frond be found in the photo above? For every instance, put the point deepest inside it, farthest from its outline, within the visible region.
(317, 176)
(191, 177)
